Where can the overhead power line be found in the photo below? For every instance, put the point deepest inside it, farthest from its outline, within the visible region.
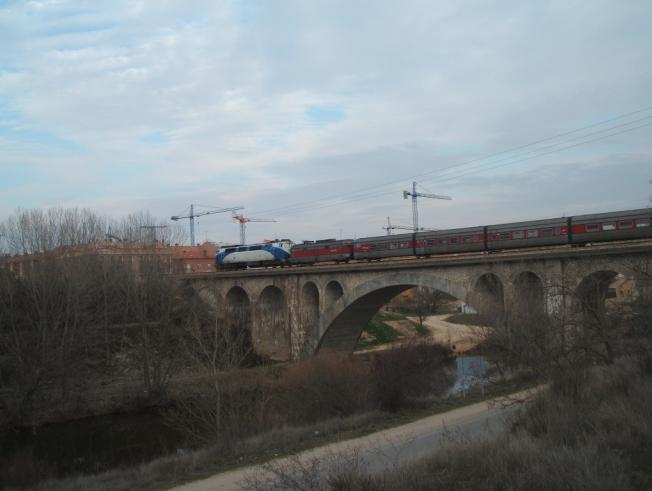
(483, 163)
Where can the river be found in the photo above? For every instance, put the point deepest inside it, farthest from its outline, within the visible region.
(97, 444)
(84, 446)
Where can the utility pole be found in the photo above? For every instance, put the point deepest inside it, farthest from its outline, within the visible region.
(238, 217)
(194, 215)
(414, 194)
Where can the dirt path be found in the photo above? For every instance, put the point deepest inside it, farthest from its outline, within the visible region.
(398, 445)
(463, 337)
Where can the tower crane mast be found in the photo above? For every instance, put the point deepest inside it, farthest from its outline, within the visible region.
(415, 194)
(240, 218)
(194, 215)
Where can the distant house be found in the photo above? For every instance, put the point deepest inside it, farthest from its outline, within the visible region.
(622, 289)
(465, 308)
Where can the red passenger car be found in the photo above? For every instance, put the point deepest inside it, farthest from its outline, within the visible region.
(617, 225)
(321, 251)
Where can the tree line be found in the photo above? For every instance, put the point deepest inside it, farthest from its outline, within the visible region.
(75, 317)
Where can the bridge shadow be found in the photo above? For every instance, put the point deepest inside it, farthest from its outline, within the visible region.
(343, 321)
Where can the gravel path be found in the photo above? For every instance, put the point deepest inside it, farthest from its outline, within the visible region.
(376, 451)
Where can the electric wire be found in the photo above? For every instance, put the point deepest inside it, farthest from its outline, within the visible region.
(368, 191)
(494, 165)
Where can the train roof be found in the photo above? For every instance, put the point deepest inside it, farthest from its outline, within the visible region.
(548, 222)
(464, 230)
(615, 214)
(379, 238)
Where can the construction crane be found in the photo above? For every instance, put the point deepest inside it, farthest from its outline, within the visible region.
(194, 215)
(391, 227)
(240, 218)
(414, 194)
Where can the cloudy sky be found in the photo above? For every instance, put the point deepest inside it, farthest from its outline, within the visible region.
(319, 113)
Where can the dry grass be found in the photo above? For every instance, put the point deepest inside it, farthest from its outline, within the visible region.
(292, 408)
(591, 430)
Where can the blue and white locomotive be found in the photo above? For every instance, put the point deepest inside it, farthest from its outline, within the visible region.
(270, 253)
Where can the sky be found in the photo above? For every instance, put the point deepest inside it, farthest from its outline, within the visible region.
(318, 114)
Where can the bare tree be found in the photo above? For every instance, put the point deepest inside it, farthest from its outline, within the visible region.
(61, 319)
(427, 301)
(222, 397)
(584, 331)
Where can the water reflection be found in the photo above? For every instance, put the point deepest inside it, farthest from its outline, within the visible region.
(86, 446)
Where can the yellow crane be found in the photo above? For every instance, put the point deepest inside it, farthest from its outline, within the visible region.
(240, 218)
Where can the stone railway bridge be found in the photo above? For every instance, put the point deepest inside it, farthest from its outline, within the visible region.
(293, 312)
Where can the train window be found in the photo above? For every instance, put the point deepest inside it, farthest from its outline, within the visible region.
(255, 248)
(532, 234)
(609, 226)
(504, 236)
(430, 243)
(546, 232)
(466, 240)
(593, 227)
(229, 251)
(443, 242)
(625, 224)
(642, 222)
(453, 240)
(519, 234)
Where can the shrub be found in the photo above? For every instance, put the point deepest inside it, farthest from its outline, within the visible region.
(410, 370)
(328, 385)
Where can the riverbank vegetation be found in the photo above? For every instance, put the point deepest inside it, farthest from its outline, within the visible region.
(591, 428)
(249, 416)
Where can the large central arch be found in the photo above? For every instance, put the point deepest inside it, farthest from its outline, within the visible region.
(343, 322)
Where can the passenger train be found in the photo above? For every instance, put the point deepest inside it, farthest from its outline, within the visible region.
(577, 230)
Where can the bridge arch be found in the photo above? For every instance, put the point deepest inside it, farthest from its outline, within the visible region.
(342, 323)
(237, 309)
(592, 292)
(334, 292)
(528, 295)
(488, 297)
(238, 317)
(271, 329)
(208, 295)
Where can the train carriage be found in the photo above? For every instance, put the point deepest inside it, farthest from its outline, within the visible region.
(321, 251)
(384, 246)
(449, 241)
(552, 231)
(617, 225)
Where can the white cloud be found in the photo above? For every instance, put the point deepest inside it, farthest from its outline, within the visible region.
(159, 104)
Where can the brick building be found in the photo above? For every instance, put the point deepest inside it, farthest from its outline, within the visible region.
(174, 259)
(195, 259)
